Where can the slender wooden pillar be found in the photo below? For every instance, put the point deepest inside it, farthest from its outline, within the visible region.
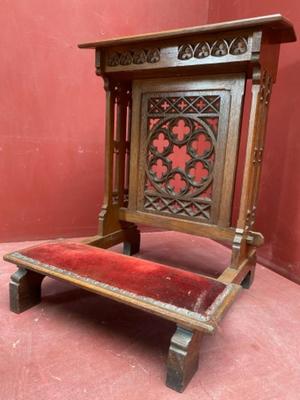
(261, 90)
(107, 220)
(117, 143)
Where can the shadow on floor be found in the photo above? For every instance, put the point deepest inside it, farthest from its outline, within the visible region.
(98, 314)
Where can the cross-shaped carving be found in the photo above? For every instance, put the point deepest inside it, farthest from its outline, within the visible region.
(159, 168)
(160, 143)
(198, 172)
(201, 145)
(165, 105)
(177, 183)
(201, 104)
(181, 129)
(182, 105)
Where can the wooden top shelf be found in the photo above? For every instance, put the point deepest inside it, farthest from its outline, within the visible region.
(282, 28)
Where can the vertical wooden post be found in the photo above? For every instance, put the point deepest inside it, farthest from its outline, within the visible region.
(261, 91)
(111, 230)
(107, 222)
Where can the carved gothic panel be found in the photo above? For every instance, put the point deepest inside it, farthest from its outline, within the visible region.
(178, 166)
(182, 133)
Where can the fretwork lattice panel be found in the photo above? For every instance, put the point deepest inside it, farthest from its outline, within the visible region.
(182, 134)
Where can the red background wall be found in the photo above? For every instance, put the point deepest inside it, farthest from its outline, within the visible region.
(52, 108)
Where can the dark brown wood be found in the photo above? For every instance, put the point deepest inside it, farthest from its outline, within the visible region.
(24, 290)
(189, 226)
(130, 236)
(132, 242)
(229, 91)
(118, 132)
(244, 273)
(178, 95)
(183, 358)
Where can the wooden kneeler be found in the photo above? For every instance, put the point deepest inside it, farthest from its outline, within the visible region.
(174, 107)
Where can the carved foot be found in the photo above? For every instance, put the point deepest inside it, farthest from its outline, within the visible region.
(249, 278)
(24, 290)
(183, 358)
(132, 242)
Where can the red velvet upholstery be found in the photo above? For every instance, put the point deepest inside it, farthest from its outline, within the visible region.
(167, 284)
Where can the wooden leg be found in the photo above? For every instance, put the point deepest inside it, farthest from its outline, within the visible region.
(132, 242)
(249, 278)
(24, 290)
(130, 236)
(183, 358)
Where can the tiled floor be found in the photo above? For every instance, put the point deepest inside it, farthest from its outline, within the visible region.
(76, 345)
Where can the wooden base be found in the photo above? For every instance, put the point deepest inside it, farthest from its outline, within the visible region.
(24, 290)
(183, 358)
(132, 243)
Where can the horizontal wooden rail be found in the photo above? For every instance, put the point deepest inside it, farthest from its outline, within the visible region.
(214, 232)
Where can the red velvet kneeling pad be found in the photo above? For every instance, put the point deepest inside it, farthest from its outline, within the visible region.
(145, 278)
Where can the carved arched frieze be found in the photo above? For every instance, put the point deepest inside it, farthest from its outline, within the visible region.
(135, 56)
(219, 48)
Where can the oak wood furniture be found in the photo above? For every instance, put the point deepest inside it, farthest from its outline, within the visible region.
(174, 106)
